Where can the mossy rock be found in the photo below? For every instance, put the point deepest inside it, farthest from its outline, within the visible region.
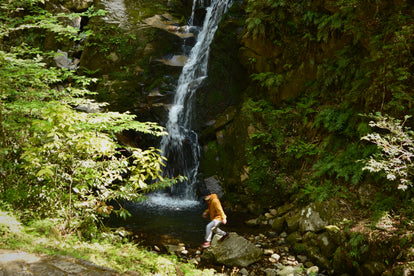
(294, 237)
(278, 224)
(299, 248)
(292, 222)
(315, 255)
(326, 244)
(341, 263)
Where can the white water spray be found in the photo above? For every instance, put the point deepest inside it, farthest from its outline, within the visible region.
(181, 146)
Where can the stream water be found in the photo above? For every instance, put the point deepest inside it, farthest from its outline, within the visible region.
(158, 225)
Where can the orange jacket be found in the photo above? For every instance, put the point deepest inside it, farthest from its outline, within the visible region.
(214, 208)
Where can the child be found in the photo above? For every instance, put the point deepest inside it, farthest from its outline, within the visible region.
(217, 217)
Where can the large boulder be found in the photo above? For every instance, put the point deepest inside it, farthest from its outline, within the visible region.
(233, 251)
(316, 216)
(311, 220)
(63, 61)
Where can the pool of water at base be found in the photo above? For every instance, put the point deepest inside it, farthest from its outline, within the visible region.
(154, 224)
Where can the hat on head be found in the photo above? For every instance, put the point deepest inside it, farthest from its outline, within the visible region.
(205, 192)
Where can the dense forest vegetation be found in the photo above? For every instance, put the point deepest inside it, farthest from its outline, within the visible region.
(57, 160)
(336, 100)
(326, 115)
(352, 63)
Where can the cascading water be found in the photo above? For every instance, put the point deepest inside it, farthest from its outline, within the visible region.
(181, 147)
(178, 214)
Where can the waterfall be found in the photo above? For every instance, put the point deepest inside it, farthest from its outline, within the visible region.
(181, 146)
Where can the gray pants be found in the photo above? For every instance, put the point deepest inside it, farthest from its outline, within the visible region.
(213, 227)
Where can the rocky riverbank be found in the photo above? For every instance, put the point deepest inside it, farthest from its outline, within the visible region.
(313, 240)
(277, 257)
(263, 254)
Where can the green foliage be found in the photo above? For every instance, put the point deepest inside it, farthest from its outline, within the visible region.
(363, 63)
(269, 80)
(395, 142)
(366, 46)
(111, 38)
(383, 205)
(341, 149)
(275, 148)
(342, 74)
(391, 54)
(76, 165)
(299, 148)
(341, 162)
(54, 159)
(327, 24)
(38, 18)
(261, 15)
(254, 26)
(263, 144)
(347, 57)
(320, 192)
(356, 246)
(280, 144)
(333, 120)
